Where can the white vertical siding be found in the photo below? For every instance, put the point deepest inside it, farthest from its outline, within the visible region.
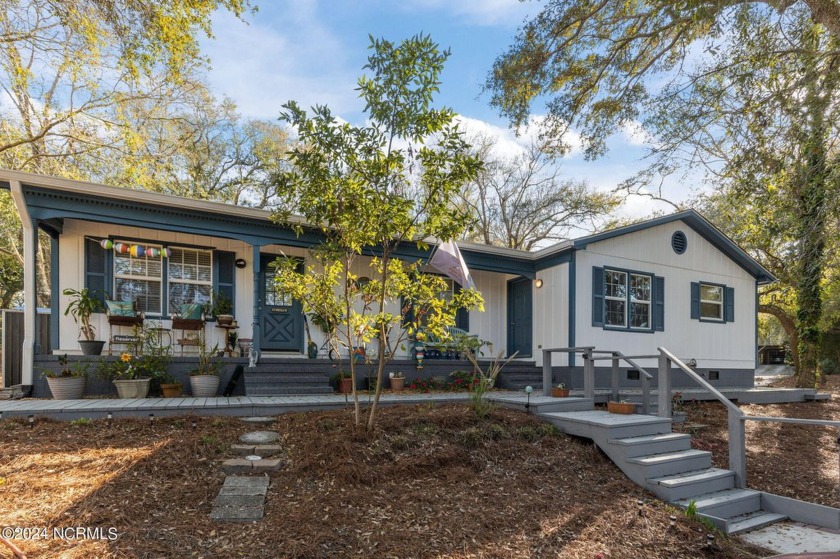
(713, 345)
(551, 312)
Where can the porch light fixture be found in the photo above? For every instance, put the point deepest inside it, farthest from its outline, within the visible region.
(538, 283)
(240, 263)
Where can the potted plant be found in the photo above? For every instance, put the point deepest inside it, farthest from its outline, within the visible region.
(343, 382)
(622, 408)
(560, 391)
(397, 379)
(69, 382)
(169, 386)
(222, 309)
(83, 304)
(204, 379)
(128, 375)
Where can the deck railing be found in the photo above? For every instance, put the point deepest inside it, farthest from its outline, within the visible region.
(588, 368)
(616, 357)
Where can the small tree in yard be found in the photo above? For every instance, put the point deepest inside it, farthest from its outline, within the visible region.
(370, 190)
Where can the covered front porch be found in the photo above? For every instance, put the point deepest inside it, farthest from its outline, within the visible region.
(200, 249)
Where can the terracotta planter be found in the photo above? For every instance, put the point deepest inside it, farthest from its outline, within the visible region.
(134, 388)
(345, 385)
(91, 347)
(621, 408)
(172, 390)
(224, 319)
(204, 386)
(67, 388)
(560, 392)
(397, 384)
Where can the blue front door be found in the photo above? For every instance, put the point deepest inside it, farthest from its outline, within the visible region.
(520, 317)
(281, 317)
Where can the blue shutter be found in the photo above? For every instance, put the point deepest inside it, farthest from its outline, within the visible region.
(409, 313)
(462, 316)
(695, 300)
(729, 304)
(224, 274)
(659, 304)
(98, 269)
(597, 296)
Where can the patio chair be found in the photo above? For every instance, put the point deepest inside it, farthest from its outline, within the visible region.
(123, 314)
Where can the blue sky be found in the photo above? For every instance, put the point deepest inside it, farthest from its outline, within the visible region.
(313, 52)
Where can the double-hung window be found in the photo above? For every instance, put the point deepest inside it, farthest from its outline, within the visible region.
(139, 279)
(190, 277)
(712, 302)
(622, 299)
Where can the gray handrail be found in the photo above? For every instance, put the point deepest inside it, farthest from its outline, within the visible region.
(737, 433)
(589, 384)
(795, 420)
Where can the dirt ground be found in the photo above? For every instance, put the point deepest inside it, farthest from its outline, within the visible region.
(432, 481)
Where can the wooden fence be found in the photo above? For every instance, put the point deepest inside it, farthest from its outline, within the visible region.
(11, 323)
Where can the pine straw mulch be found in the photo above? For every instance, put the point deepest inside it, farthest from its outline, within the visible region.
(791, 460)
(432, 481)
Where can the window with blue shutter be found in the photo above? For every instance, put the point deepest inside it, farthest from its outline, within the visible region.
(597, 296)
(224, 274)
(712, 302)
(98, 269)
(462, 315)
(659, 304)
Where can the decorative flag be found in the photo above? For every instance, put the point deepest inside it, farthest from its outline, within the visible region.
(448, 260)
(107, 244)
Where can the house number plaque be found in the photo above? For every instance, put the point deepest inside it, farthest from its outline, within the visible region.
(279, 309)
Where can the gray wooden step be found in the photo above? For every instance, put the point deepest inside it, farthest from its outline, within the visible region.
(274, 390)
(602, 426)
(726, 504)
(658, 465)
(652, 444)
(753, 521)
(692, 484)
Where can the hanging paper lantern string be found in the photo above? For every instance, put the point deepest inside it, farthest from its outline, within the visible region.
(107, 244)
(167, 252)
(121, 248)
(152, 252)
(137, 251)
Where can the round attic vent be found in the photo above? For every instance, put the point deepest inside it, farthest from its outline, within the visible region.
(678, 242)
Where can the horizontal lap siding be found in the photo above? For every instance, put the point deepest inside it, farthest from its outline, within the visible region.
(730, 345)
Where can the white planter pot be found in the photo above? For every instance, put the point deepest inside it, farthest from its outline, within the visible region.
(135, 388)
(204, 386)
(67, 388)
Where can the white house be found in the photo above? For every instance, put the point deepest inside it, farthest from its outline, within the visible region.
(674, 281)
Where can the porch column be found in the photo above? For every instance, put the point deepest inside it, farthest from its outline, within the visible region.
(30, 299)
(255, 343)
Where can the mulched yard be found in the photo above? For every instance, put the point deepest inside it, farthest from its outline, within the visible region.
(432, 481)
(801, 462)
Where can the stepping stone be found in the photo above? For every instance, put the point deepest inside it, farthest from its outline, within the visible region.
(260, 449)
(237, 466)
(247, 481)
(259, 420)
(269, 465)
(260, 437)
(241, 499)
(237, 514)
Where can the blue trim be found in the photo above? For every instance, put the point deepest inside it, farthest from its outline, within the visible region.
(703, 227)
(572, 303)
(563, 257)
(55, 311)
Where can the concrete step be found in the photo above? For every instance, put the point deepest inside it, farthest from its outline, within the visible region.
(693, 484)
(753, 521)
(274, 390)
(633, 447)
(602, 426)
(818, 396)
(671, 463)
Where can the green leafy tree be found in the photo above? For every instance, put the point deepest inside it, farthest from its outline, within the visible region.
(371, 189)
(754, 107)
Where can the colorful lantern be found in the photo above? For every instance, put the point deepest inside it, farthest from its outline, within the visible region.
(167, 252)
(152, 252)
(107, 244)
(121, 248)
(137, 251)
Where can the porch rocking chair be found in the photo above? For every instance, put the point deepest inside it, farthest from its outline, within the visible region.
(122, 314)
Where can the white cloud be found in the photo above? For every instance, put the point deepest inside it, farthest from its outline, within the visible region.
(481, 12)
(261, 66)
(636, 135)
